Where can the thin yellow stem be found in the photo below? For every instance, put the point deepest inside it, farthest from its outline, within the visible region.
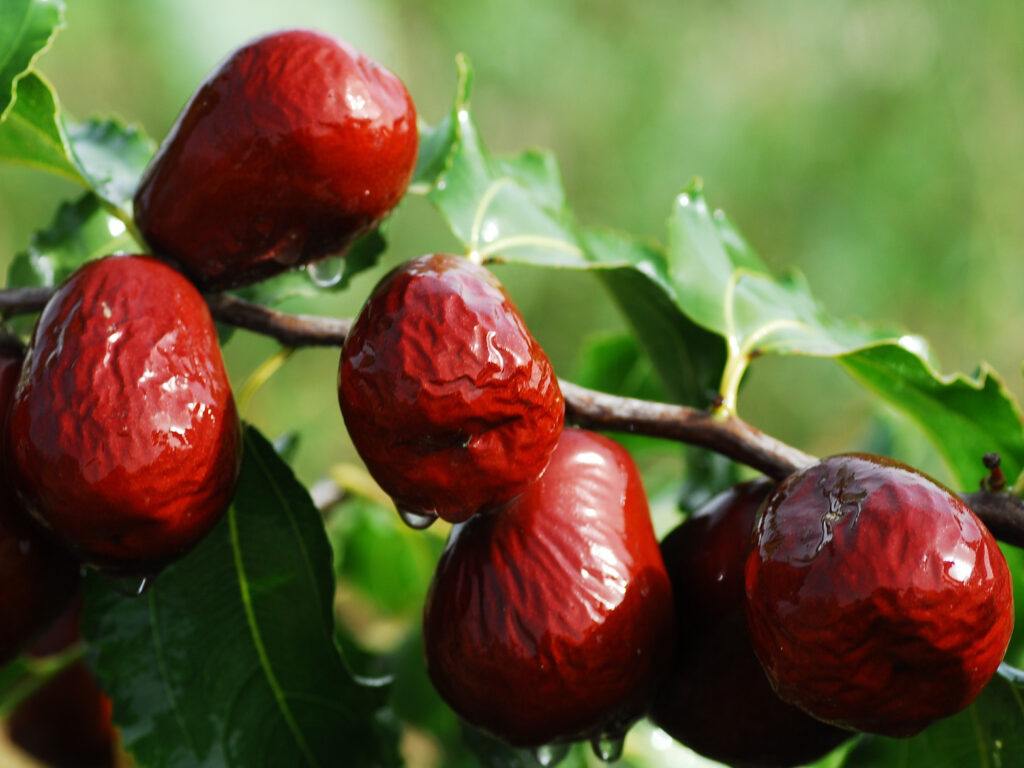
(261, 376)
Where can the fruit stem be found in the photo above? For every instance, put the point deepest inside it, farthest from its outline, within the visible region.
(37, 673)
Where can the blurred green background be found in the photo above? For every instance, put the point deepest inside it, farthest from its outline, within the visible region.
(874, 145)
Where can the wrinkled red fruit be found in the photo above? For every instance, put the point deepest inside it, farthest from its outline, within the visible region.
(549, 619)
(66, 723)
(293, 147)
(715, 699)
(448, 399)
(124, 437)
(38, 576)
(876, 599)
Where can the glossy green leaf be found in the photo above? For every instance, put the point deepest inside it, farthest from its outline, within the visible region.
(512, 209)
(229, 659)
(80, 231)
(988, 733)
(111, 157)
(27, 27)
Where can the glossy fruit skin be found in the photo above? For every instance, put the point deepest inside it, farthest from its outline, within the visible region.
(124, 438)
(876, 598)
(66, 723)
(38, 575)
(549, 619)
(291, 149)
(447, 397)
(715, 698)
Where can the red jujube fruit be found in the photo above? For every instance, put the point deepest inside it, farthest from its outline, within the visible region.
(293, 147)
(715, 698)
(876, 599)
(66, 723)
(549, 619)
(447, 397)
(124, 438)
(38, 577)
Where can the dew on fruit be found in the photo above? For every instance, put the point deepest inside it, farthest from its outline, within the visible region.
(416, 520)
(326, 272)
(551, 754)
(608, 746)
(130, 586)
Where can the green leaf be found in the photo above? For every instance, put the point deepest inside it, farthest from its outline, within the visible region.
(80, 231)
(27, 28)
(966, 417)
(512, 209)
(111, 157)
(229, 659)
(104, 156)
(988, 733)
(33, 133)
(364, 535)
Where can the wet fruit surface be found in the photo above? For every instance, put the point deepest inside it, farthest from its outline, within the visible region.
(66, 723)
(293, 147)
(124, 437)
(549, 619)
(447, 397)
(39, 577)
(715, 697)
(876, 599)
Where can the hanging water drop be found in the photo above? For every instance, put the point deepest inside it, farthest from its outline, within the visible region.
(608, 746)
(129, 586)
(551, 754)
(416, 520)
(326, 272)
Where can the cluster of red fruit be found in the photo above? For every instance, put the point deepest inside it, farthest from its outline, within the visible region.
(857, 594)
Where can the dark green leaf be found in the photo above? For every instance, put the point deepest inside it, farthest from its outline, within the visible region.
(988, 733)
(229, 658)
(27, 27)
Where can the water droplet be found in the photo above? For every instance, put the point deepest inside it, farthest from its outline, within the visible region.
(326, 272)
(608, 746)
(551, 754)
(416, 520)
(130, 586)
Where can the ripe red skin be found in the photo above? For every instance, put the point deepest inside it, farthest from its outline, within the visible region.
(549, 619)
(715, 698)
(449, 400)
(124, 438)
(39, 576)
(875, 597)
(291, 149)
(66, 723)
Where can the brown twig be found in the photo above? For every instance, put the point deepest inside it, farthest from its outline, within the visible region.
(1002, 512)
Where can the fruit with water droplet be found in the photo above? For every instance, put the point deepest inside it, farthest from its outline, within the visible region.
(549, 619)
(124, 438)
(66, 723)
(715, 698)
(38, 576)
(292, 148)
(876, 599)
(447, 397)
